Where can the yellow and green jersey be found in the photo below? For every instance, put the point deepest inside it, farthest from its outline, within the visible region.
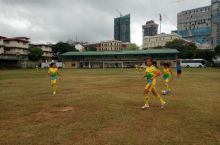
(150, 72)
(53, 73)
(166, 73)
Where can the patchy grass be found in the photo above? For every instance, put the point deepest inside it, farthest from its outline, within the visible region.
(102, 107)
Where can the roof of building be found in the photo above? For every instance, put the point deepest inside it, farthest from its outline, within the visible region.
(25, 38)
(163, 35)
(149, 51)
(3, 37)
(16, 39)
(107, 41)
(194, 9)
(47, 45)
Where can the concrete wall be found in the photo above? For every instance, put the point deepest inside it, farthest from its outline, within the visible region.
(5, 64)
(1, 42)
(47, 54)
(71, 64)
(28, 64)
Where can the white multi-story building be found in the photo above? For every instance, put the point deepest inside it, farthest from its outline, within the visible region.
(201, 25)
(159, 40)
(16, 46)
(2, 45)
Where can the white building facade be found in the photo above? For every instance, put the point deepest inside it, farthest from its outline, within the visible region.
(16, 46)
(159, 40)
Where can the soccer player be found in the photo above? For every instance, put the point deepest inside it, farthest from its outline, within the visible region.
(167, 75)
(178, 69)
(53, 73)
(151, 74)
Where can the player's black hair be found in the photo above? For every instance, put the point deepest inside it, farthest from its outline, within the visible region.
(51, 65)
(150, 58)
(166, 64)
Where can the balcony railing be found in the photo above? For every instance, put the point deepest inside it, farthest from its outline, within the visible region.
(12, 57)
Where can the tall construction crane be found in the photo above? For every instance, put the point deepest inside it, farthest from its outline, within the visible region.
(162, 16)
(171, 22)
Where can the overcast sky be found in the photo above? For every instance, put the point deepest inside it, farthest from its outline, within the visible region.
(91, 20)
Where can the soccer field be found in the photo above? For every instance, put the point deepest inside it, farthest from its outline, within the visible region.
(102, 107)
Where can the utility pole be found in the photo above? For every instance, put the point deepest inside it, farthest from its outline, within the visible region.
(160, 21)
(76, 38)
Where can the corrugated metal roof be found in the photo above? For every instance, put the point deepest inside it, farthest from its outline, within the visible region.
(149, 51)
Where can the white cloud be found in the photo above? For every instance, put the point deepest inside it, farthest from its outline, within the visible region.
(91, 20)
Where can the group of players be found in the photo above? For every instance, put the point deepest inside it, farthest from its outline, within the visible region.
(151, 74)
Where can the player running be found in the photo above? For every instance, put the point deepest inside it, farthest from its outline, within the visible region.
(151, 74)
(167, 75)
(53, 73)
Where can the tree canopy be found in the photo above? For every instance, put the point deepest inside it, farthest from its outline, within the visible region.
(35, 54)
(62, 47)
(186, 49)
(131, 47)
(91, 49)
(217, 50)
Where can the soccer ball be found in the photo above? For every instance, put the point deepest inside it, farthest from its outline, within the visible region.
(164, 92)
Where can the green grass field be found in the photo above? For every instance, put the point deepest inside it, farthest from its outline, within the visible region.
(102, 107)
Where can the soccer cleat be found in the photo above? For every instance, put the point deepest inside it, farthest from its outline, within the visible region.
(145, 106)
(163, 105)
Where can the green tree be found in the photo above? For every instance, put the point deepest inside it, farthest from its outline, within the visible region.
(35, 54)
(205, 54)
(159, 47)
(217, 50)
(131, 47)
(186, 49)
(62, 47)
(181, 45)
(91, 49)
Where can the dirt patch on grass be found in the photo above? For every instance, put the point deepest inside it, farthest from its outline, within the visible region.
(66, 109)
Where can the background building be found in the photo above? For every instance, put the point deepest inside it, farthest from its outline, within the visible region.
(122, 28)
(13, 51)
(47, 51)
(110, 45)
(118, 59)
(201, 25)
(150, 28)
(159, 40)
(215, 22)
(91, 46)
(16, 46)
(2, 45)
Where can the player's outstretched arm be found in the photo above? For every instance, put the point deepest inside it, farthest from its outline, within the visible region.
(171, 72)
(144, 77)
(156, 75)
